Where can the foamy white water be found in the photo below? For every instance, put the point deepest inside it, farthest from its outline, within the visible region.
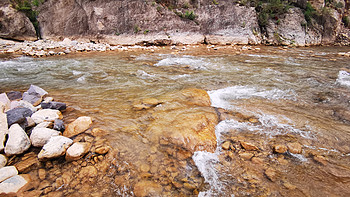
(343, 78)
(192, 63)
(221, 98)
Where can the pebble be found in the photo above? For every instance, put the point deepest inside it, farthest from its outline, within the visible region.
(226, 145)
(249, 146)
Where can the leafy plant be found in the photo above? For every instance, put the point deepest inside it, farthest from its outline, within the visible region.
(215, 2)
(309, 12)
(346, 21)
(146, 31)
(190, 15)
(271, 9)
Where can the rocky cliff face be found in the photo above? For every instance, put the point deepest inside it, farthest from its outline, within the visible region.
(186, 22)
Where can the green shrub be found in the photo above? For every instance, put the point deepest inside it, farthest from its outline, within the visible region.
(346, 21)
(271, 9)
(189, 15)
(309, 12)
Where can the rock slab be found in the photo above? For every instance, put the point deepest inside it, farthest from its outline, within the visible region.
(18, 141)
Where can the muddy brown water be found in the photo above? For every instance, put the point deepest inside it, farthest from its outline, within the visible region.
(297, 95)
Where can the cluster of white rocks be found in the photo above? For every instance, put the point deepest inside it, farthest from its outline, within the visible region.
(344, 54)
(43, 48)
(33, 119)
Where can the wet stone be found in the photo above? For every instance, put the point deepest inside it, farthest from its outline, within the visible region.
(7, 172)
(271, 174)
(246, 155)
(102, 150)
(59, 125)
(42, 174)
(78, 126)
(226, 145)
(280, 148)
(249, 146)
(294, 148)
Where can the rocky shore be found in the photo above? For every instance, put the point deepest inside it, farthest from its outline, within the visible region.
(34, 139)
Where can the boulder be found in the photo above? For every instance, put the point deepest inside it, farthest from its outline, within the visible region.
(18, 115)
(59, 125)
(34, 99)
(15, 25)
(6, 101)
(54, 105)
(14, 95)
(3, 129)
(55, 147)
(7, 172)
(23, 104)
(78, 126)
(13, 184)
(46, 115)
(40, 136)
(17, 142)
(3, 160)
(33, 89)
(77, 150)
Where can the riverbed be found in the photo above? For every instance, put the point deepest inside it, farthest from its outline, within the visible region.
(273, 95)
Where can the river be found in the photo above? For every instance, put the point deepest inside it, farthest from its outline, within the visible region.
(297, 95)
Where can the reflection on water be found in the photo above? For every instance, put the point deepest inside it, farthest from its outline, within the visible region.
(298, 95)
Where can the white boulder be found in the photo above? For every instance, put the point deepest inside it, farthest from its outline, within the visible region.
(17, 142)
(40, 136)
(55, 147)
(46, 115)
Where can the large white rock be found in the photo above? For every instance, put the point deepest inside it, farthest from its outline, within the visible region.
(7, 172)
(55, 147)
(18, 141)
(46, 115)
(3, 160)
(22, 103)
(77, 150)
(33, 89)
(5, 100)
(3, 127)
(13, 184)
(40, 136)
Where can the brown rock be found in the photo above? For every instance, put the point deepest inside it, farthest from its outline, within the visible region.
(26, 164)
(257, 160)
(42, 174)
(102, 150)
(86, 172)
(78, 126)
(246, 155)
(320, 159)
(280, 148)
(294, 148)
(145, 167)
(190, 186)
(271, 174)
(98, 132)
(249, 146)
(226, 145)
(253, 120)
(147, 188)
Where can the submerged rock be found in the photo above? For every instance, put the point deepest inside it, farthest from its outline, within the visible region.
(17, 142)
(18, 115)
(77, 150)
(46, 115)
(78, 126)
(40, 136)
(55, 147)
(249, 146)
(147, 188)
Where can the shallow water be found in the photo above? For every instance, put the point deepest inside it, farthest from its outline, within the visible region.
(297, 94)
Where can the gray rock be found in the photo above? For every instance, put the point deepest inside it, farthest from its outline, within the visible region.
(7, 172)
(54, 105)
(34, 99)
(46, 115)
(14, 95)
(6, 101)
(13, 184)
(3, 160)
(33, 89)
(18, 115)
(40, 136)
(59, 125)
(17, 142)
(77, 150)
(55, 147)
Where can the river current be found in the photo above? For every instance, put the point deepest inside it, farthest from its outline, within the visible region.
(296, 94)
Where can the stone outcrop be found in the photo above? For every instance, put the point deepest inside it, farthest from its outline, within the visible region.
(15, 25)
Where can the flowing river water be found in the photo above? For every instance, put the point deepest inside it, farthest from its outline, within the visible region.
(272, 95)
